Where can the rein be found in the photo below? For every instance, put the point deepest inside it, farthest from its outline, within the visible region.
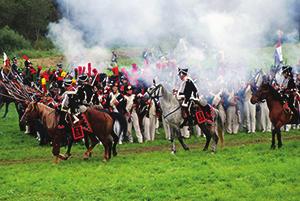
(165, 116)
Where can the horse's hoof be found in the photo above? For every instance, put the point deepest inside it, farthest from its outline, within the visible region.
(115, 154)
(173, 152)
(62, 157)
(105, 160)
(186, 149)
(86, 156)
(273, 146)
(57, 159)
(68, 156)
(279, 146)
(205, 149)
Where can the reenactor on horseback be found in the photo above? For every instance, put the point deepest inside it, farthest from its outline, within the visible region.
(68, 105)
(14, 67)
(186, 93)
(288, 90)
(5, 71)
(85, 91)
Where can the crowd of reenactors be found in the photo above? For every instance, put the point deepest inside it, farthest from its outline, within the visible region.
(124, 90)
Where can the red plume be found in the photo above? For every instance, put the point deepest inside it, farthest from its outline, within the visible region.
(25, 57)
(89, 69)
(95, 71)
(115, 70)
(79, 70)
(83, 70)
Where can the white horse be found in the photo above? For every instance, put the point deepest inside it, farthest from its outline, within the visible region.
(171, 111)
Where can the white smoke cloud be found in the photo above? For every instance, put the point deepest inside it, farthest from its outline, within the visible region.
(234, 27)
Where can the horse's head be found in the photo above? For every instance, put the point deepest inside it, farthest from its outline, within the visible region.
(155, 90)
(261, 93)
(31, 113)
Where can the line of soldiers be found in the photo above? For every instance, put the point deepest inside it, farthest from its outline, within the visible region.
(70, 92)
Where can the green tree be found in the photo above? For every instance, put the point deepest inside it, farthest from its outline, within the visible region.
(10, 40)
(28, 17)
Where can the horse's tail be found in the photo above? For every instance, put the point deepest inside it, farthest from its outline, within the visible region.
(220, 126)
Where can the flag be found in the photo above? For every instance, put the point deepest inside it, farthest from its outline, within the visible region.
(278, 58)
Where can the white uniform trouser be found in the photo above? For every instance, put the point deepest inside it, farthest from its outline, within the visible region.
(266, 124)
(250, 116)
(167, 129)
(149, 127)
(135, 123)
(232, 124)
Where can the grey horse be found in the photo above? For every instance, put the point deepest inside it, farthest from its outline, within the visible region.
(171, 111)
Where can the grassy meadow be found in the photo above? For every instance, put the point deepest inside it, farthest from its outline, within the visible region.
(246, 169)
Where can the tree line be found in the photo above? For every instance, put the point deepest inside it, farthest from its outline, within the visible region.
(23, 23)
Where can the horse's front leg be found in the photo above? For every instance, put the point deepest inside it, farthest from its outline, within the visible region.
(180, 139)
(70, 144)
(94, 142)
(273, 146)
(172, 140)
(56, 146)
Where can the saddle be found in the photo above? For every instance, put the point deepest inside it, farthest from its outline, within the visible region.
(198, 113)
(205, 114)
(83, 125)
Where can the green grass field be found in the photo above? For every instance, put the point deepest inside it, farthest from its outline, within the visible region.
(246, 169)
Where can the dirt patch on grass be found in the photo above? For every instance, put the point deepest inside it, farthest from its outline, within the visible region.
(48, 61)
(139, 150)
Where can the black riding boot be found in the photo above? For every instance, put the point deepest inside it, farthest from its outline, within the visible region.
(62, 121)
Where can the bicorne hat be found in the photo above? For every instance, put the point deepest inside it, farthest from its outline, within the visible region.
(182, 71)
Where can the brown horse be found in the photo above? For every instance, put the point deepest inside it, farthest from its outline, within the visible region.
(277, 114)
(101, 124)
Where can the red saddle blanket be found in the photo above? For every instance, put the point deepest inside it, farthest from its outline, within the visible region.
(205, 117)
(83, 125)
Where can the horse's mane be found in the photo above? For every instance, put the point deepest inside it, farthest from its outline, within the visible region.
(45, 107)
(168, 96)
(48, 115)
(274, 93)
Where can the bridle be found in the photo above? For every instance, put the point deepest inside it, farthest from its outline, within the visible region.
(155, 94)
(259, 95)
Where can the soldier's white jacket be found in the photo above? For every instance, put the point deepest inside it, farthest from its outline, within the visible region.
(129, 102)
(115, 99)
